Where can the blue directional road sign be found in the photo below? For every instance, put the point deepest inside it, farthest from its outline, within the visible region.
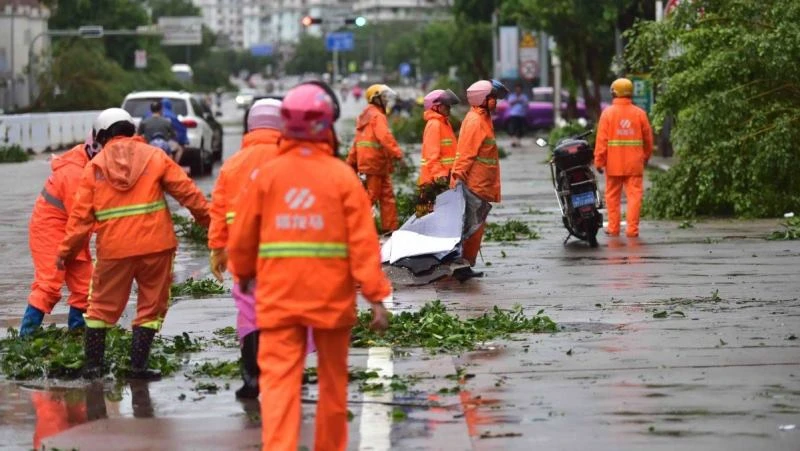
(261, 50)
(339, 42)
(405, 69)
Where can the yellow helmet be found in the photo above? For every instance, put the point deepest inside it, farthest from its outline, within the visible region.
(376, 91)
(622, 87)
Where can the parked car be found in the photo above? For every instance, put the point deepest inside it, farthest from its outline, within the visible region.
(216, 127)
(197, 155)
(540, 110)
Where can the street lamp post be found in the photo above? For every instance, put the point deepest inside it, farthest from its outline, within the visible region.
(86, 32)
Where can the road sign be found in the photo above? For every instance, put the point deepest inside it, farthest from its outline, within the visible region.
(642, 92)
(339, 42)
(261, 50)
(140, 59)
(528, 56)
(405, 69)
(186, 30)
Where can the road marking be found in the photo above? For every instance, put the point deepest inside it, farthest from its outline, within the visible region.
(375, 426)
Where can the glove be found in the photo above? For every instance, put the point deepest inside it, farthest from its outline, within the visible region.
(218, 261)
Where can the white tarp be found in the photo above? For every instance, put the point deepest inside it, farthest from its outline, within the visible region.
(437, 233)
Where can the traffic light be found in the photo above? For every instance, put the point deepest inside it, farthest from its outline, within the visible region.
(359, 21)
(308, 21)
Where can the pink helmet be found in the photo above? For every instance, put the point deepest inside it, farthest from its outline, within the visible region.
(265, 113)
(477, 93)
(440, 97)
(307, 112)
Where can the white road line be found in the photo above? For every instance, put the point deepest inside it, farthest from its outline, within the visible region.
(375, 426)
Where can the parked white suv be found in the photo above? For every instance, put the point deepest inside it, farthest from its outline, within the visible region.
(198, 153)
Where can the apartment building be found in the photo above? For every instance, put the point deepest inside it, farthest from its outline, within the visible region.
(402, 10)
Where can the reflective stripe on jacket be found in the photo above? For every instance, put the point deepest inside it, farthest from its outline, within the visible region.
(624, 139)
(477, 158)
(258, 146)
(122, 191)
(304, 228)
(438, 148)
(374, 147)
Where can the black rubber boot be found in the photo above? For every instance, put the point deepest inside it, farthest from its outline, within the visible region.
(140, 354)
(250, 370)
(95, 401)
(464, 274)
(140, 399)
(94, 350)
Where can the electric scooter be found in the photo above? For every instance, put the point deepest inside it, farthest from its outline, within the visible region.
(575, 185)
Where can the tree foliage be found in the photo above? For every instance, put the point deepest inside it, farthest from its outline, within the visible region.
(729, 76)
(584, 34)
(309, 56)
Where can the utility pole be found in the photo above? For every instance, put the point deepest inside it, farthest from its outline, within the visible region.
(556, 86)
(495, 50)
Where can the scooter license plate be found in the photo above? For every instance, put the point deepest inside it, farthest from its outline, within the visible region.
(579, 200)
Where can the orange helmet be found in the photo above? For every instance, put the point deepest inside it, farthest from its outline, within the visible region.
(622, 87)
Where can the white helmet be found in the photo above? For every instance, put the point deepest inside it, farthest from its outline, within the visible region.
(106, 119)
(265, 113)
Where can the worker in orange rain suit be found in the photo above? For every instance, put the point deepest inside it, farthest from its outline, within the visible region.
(45, 231)
(623, 146)
(259, 145)
(374, 151)
(304, 229)
(121, 192)
(438, 148)
(477, 162)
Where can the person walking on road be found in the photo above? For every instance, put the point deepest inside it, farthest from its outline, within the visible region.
(374, 152)
(259, 145)
(518, 114)
(623, 146)
(477, 164)
(121, 196)
(46, 229)
(304, 230)
(438, 148)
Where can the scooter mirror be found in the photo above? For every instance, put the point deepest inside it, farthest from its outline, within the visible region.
(541, 142)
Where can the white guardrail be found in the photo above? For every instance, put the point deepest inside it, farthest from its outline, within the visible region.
(40, 132)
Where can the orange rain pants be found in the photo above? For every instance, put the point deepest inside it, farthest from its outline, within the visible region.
(281, 358)
(111, 288)
(55, 413)
(48, 280)
(380, 190)
(472, 245)
(633, 193)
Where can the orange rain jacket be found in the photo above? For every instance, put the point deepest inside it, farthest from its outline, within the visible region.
(48, 223)
(624, 139)
(305, 228)
(438, 148)
(477, 160)
(258, 146)
(122, 191)
(374, 148)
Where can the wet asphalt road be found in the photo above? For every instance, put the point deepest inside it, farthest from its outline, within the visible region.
(724, 374)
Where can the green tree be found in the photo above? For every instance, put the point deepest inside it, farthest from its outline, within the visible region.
(309, 56)
(584, 34)
(179, 54)
(728, 74)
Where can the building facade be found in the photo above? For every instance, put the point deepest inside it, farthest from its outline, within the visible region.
(402, 10)
(21, 21)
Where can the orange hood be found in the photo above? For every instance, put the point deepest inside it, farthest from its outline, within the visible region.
(366, 116)
(433, 115)
(287, 145)
(261, 136)
(123, 161)
(76, 155)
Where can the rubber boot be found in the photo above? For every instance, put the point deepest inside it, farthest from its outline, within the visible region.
(140, 354)
(31, 320)
(94, 349)
(140, 399)
(464, 274)
(250, 370)
(95, 401)
(75, 318)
